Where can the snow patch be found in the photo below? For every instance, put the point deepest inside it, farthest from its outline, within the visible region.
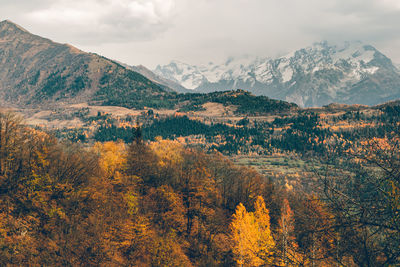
(371, 70)
(351, 60)
(287, 75)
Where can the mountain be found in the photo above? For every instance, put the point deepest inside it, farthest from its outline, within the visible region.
(351, 73)
(35, 71)
(166, 83)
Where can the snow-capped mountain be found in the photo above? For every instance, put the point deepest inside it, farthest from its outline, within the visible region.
(351, 73)
(192, 77)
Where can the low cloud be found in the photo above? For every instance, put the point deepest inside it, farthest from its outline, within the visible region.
(156, 31)
(102, 21)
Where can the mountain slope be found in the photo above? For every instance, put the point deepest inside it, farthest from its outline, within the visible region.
(352, 73)
(166, 83)
(36, 71)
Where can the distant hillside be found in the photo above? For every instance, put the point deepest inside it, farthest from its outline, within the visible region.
(36, 71)
(352, 73)
(245, 102)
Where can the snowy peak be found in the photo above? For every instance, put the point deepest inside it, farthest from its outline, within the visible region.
(191, 76)
(187, 75)
(316, 57)
(322, 56)
(312, 76)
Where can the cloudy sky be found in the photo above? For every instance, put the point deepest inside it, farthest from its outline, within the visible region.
(152, 32)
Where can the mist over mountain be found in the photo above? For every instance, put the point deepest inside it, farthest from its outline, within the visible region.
(166, 83)
(37, 71)
(351, 73)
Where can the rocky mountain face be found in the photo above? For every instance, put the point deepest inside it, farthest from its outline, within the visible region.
(166, 83)
(352, 73)
(35, 71)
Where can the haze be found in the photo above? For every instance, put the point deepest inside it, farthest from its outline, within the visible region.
(152, 32)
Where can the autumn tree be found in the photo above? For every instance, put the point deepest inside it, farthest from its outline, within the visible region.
(146, 204)
(314, 231)
(288, 244)
(142, 162)
(362, 190)
(112, 157)
(251, 234)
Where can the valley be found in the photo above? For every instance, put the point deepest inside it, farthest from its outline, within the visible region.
(284, 145)
(292, 161)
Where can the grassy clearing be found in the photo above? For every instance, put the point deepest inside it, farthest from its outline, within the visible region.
(288, 170)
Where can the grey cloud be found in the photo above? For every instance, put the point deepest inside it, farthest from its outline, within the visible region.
(156, 31)
(367, 20)
(93, 21)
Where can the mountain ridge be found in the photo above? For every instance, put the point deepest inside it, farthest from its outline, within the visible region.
(36, 71)
(168, 84)
(40, 74)
(312, 76)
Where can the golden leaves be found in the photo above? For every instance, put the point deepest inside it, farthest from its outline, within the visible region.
(251, 234)
(112, 157)
(169, 152)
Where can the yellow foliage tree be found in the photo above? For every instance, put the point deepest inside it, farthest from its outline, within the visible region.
(251, 234)
(169, 152)
(112, 157)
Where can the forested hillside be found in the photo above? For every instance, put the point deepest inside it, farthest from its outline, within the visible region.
(160, 203)
(37, 72)
(303, 131)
